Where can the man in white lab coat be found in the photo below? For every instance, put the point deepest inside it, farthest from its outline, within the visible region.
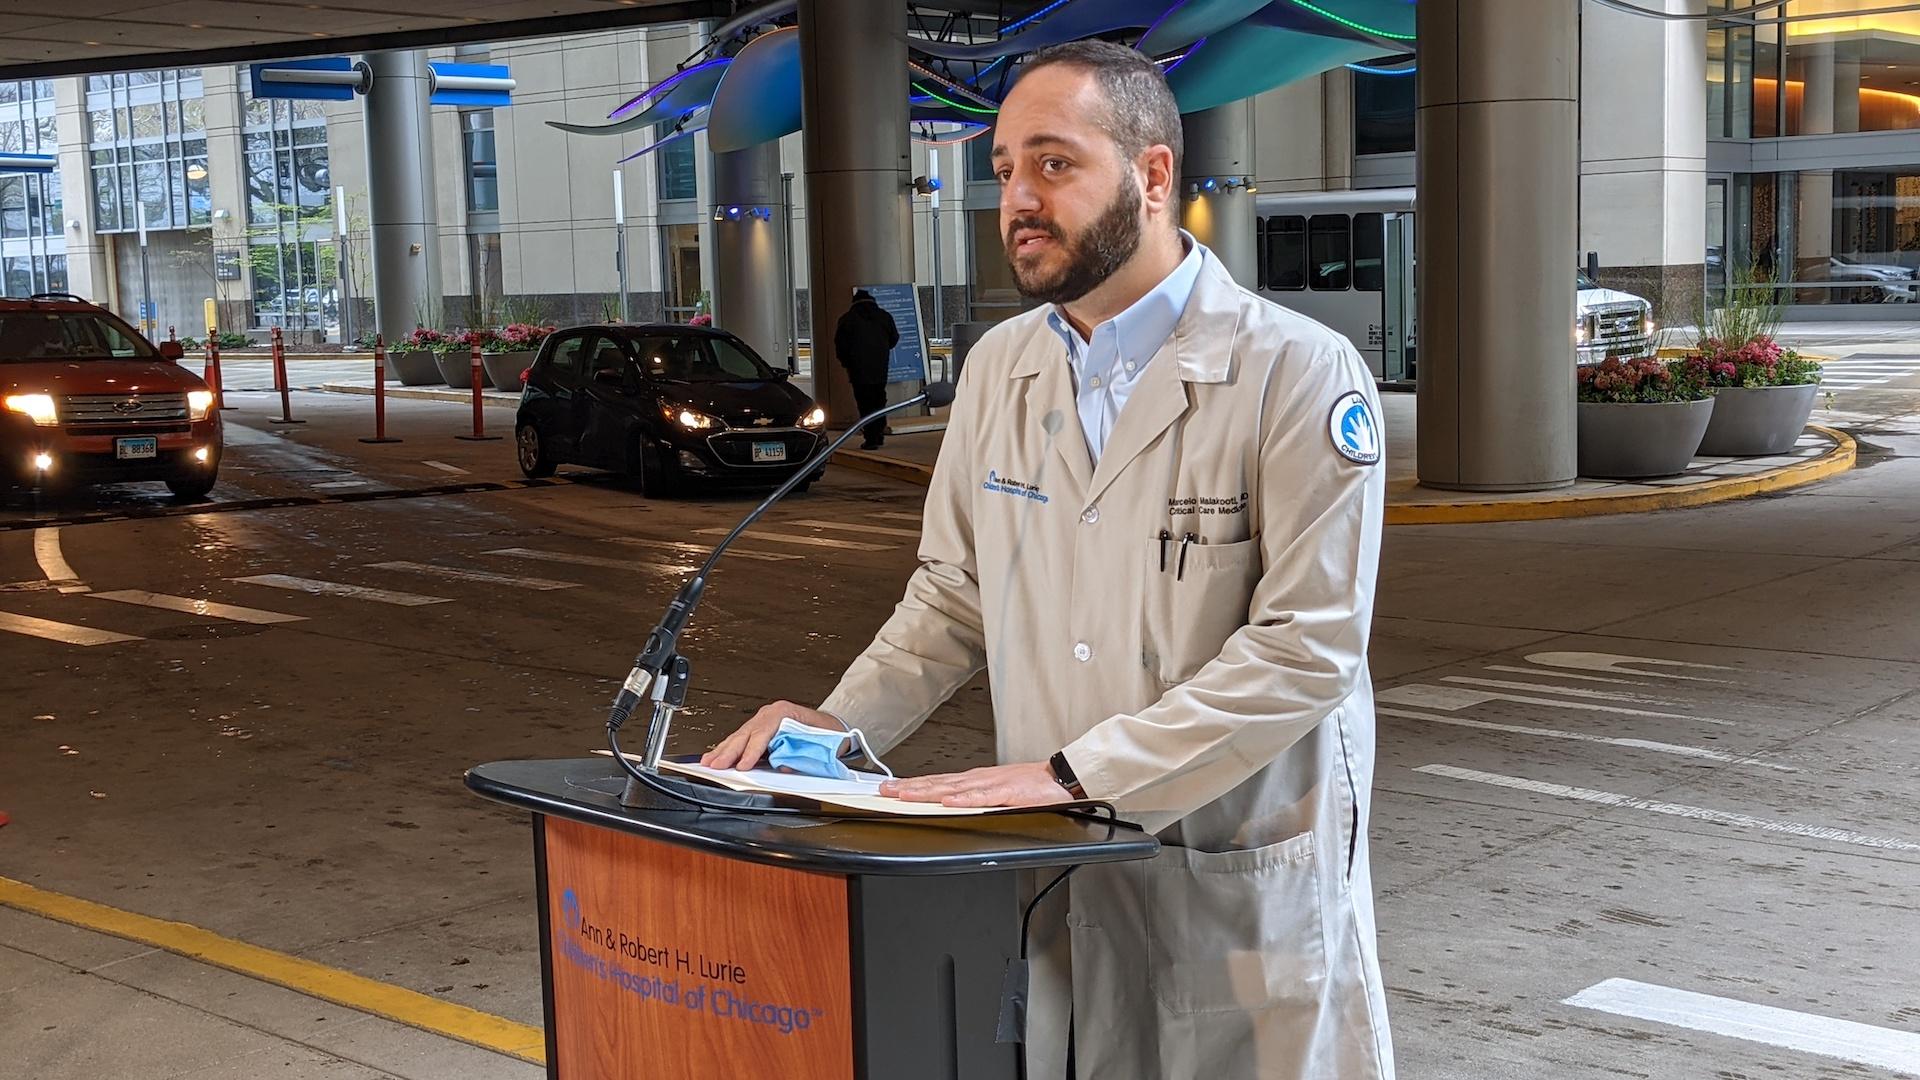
(1155, 521)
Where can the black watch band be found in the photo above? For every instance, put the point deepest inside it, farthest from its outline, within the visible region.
(1063, 775)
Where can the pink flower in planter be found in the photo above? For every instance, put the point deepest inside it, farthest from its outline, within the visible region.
(700, 320)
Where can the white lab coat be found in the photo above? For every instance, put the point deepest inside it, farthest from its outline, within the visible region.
(1225, 707)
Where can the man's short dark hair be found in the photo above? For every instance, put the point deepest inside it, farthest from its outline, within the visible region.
(1141, 111)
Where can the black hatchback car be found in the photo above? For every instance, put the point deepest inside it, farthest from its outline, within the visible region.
(670, 404)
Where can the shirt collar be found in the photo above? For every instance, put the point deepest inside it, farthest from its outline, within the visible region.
(1144, 326)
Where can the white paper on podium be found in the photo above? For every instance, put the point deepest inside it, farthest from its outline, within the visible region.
(860, 793)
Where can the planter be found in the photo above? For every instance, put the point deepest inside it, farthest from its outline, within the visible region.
(456, 369)
(1627, 442)
(503, 369)
(413, 367)
(1757, 422)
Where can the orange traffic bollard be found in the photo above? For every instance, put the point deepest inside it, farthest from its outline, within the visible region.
(479, 419)
(280, 380)
(379, 392)
(212, 375)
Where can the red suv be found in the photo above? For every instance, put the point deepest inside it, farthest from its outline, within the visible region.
(88, 400)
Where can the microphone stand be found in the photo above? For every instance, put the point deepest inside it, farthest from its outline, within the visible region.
(660, 674)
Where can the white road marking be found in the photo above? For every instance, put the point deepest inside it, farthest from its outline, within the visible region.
(191, 606)
(480, 577)
(1698, 813)
(66, 633)
(1453, 699)
(796, 538)
(1580, 736)
(1612, 664)
(569, 557)
(342, 484)
(697, 552)
(1514, 670)
(1847, 1040)
(1547, 688)
(444, 467)
(855, 526)
(46, 552)
(336, 588)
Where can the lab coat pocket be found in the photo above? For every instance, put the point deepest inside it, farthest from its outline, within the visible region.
(1235, 931)
(1191, 611)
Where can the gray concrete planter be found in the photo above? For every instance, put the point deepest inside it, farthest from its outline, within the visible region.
(413, 367)
(1755, 423)
(456, 368)
(503, 369)
(1630, 442)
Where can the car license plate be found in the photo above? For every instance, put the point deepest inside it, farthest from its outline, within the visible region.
(769, 451)
(140, 449)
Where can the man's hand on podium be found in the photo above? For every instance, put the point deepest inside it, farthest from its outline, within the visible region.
(743, 749)
(1026, 784)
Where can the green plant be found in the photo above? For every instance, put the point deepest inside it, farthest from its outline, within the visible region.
(1752, 310)
(232, 339)
(610, 308)
(1645, 381)
(521, 309)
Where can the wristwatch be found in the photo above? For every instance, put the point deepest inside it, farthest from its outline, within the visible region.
(1063, 775)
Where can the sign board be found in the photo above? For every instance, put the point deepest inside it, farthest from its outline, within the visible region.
(226, 266)
(324, 78)
(908, 363)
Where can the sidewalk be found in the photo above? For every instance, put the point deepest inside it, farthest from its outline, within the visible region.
(1821, 452)
(76, 1002)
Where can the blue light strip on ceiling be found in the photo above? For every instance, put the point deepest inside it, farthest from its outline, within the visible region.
(1381, 71)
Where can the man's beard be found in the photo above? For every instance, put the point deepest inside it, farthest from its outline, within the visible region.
(1092, 257)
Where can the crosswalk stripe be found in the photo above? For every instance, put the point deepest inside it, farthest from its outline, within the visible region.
(191, 606)
(337, 588)
(66, 633)
(478, 576)
(696, 551)
(809, 541)
(342, 484)
(444, 467)
(855, 526)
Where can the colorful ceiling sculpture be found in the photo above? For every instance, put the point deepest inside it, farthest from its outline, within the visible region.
(1214, 52)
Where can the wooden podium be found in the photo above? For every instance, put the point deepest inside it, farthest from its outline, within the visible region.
(681, 944)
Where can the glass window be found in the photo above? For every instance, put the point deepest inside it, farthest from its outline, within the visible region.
(149, 121)
(193, 116)
(1329, 252)
(47, 131)
(697, 358)
(676, 165)
(1853, 72)
(57, 273)
(43, 90)
(483, 167)
(1369, 252)
(106, 198)
(566, 354)
(102, 121)
(1383, 108)
(9, 92)
(13, 208)
(1287, 252)
(979, 152)
(27, 336)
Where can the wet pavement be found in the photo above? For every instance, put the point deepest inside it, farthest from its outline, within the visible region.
(1677, 750)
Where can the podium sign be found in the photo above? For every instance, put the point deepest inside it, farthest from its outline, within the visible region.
(750, 979)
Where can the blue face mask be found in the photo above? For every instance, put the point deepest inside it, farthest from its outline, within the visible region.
(812, 751)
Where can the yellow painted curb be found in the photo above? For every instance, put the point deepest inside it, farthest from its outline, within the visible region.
(409, 1007)
(1832, 463)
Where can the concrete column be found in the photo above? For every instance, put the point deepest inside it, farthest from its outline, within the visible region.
(859, 208)
(1219, 145)
(1498, 156)
(750, 254)
(400, 195)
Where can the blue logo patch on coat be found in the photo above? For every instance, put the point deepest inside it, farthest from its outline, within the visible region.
(997, 483)
(1355, 433)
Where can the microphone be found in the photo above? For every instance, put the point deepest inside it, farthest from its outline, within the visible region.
(661, 673)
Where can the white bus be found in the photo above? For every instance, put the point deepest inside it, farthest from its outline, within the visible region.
(1346, 258)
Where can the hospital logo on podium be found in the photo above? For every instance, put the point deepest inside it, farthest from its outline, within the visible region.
(1355, 433)
(570, 910)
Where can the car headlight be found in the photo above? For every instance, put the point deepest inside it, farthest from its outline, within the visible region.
(816, 418)
(691, 419)
(199, 404)
(37, 406)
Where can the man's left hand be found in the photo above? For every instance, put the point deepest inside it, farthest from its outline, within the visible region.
(1027, 784)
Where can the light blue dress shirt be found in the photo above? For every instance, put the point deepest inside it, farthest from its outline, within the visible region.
(1107, 366)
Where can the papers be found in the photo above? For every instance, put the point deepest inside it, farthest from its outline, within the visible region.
(860, 793)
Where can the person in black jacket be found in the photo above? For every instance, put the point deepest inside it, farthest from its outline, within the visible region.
(863, 341)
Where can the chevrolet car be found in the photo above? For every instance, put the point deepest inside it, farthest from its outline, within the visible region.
(676, 406)
(89, 400)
